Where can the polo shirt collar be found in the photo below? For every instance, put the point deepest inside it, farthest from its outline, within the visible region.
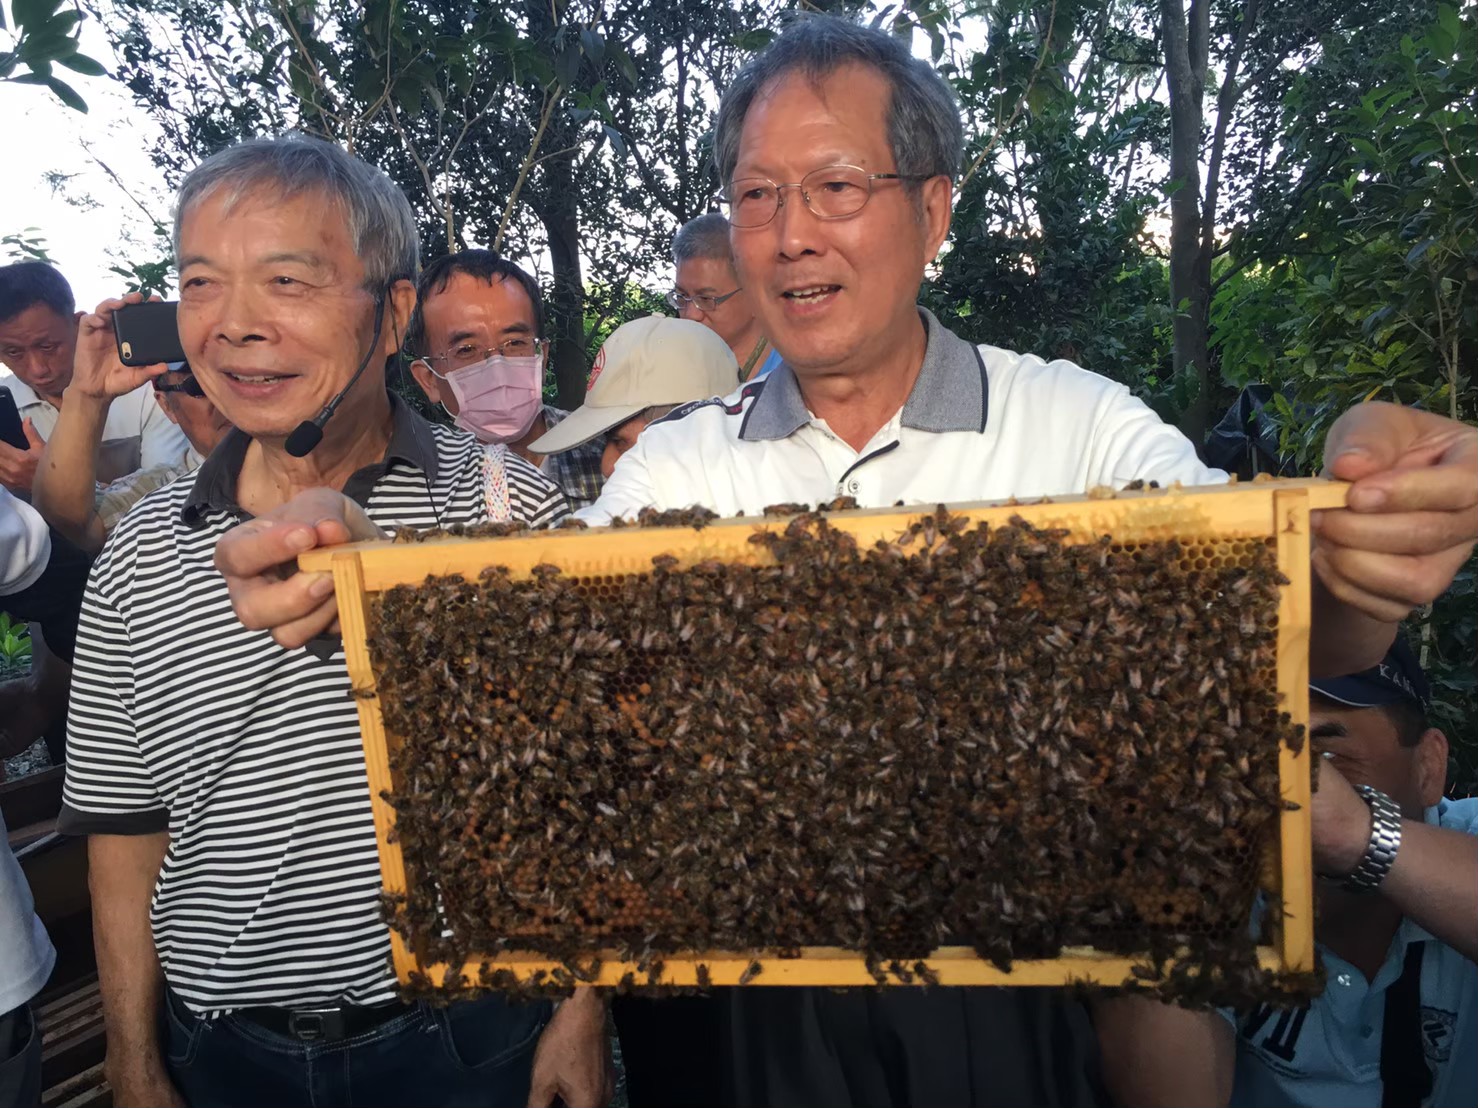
(23, 393)
(951, 393)
(411, 442)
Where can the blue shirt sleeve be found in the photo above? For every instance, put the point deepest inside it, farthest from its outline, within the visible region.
(1457, 815)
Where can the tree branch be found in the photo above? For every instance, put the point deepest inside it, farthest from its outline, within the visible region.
(139, 204)
(1020, 104)
(443, 209)
(1226, 100)
(528, 163)
(1313, 177)
(289, 20)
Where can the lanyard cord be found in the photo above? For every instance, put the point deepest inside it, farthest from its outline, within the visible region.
(1404, 1073)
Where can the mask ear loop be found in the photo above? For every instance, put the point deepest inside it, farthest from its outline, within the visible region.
(439, 376)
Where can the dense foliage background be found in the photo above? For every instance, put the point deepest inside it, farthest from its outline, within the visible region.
(1190, 198)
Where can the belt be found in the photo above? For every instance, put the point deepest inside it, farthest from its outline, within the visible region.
(322, 1025)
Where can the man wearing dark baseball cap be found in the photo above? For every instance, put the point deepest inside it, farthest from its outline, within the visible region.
(1397, 683)
(1396, 921)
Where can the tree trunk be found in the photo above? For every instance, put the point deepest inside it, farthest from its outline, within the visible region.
(555, 200)
(1186, 40)
(566, 324)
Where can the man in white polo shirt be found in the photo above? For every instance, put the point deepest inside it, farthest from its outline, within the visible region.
(837, 151)
(38, 337)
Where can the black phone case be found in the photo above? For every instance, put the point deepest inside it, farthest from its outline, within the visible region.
(10, 421)
(147, 333)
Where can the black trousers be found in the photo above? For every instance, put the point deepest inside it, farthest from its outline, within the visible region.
(896, 1047)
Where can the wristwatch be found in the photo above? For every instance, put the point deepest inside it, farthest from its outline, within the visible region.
(1385, 840)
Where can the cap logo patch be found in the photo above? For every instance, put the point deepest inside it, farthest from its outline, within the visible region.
(600, 364)
(1399, 680)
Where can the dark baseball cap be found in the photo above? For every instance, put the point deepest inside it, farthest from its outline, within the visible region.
(1397, 678)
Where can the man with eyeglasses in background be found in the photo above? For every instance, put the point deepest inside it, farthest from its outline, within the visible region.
(708, 291)
(477, 340)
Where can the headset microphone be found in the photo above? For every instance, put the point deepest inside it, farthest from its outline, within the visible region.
(309, 433)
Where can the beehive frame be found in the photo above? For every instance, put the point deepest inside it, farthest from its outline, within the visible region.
(1277, 511)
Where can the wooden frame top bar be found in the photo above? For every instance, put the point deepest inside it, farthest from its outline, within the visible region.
(1227, 510)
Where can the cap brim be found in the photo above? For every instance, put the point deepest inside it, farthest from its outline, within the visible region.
(582, 425)
(1352, 692)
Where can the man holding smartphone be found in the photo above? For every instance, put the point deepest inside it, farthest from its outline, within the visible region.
(38, 336)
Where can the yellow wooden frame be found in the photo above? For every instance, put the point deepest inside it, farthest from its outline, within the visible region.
(1277, 510)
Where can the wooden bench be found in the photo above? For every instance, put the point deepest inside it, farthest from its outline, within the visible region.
(71, 1022)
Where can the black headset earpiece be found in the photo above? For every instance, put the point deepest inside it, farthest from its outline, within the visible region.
(308, 434)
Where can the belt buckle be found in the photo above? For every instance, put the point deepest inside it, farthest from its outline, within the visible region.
(312, 1025)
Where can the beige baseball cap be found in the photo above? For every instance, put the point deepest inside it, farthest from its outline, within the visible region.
(649, 362)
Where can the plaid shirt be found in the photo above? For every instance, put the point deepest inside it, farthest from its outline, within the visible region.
(577, 471)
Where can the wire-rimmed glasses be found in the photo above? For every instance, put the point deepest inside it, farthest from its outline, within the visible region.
(464, 354)
(677, 301)
(831, 192)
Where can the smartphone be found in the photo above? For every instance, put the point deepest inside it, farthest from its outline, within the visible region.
(11, 430)
(147, 333)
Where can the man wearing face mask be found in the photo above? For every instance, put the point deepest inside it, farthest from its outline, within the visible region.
(478, 342)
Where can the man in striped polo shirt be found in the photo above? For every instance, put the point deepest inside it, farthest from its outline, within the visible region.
(219, 774)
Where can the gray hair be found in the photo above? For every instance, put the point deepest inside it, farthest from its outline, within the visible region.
(381, 223)
(704, 237)
(924, 128)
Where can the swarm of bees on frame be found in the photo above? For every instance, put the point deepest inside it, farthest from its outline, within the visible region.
(969, 736)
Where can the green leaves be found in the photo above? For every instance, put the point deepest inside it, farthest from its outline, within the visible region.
(81, 63)
(66, 94)
(44, 35)
(27, 245)
(1369, 291)
(15, 641)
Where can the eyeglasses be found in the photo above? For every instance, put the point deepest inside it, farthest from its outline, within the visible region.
(680, 300)
(831, 192)
(465, 354)
(187, 385)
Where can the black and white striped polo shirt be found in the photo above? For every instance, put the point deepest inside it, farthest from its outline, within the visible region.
(248, 754)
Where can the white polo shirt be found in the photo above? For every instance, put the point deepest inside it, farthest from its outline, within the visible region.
(980, 424)
(138, 435)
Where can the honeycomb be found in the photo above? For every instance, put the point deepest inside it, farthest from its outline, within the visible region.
(977, 736)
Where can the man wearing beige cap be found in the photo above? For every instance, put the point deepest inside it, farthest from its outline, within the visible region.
(643, 370)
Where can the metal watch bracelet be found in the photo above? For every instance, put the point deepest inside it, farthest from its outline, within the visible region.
(1385, 840)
